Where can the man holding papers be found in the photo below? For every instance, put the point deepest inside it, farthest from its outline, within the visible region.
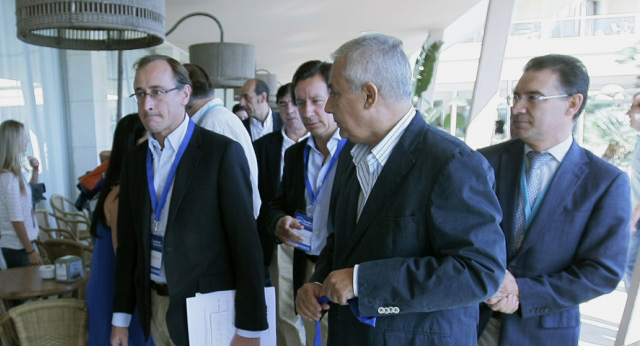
(186, 220)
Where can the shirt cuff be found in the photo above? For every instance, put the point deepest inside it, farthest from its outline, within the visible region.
(355, 280)
(249, 333)
(121, 319)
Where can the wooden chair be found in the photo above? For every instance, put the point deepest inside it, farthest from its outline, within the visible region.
(69, 218)
(54, 322)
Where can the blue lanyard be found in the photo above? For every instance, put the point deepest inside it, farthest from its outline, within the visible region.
(530, 213)
(204, 114)
(155, 204)
(334, 159)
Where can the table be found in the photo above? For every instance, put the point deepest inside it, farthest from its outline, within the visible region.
(26, 283)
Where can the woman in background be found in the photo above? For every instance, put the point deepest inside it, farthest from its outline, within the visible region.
(18, 227)
(129, 132)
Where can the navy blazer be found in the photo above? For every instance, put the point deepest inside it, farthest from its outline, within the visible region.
(277, 123)
(428, 243)
(210, 243)
(574, 250)
(269, 154)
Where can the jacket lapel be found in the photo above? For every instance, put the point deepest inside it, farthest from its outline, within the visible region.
(508, 188)
(186, 169)
(398, 165)
(570, 173)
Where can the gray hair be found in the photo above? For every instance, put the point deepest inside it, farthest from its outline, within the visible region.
(378, 59)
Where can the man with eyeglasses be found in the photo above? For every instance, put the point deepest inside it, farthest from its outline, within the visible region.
(566, 213)
(185, 218)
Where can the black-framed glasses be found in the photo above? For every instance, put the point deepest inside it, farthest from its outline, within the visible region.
(531, 99)
(155, 94)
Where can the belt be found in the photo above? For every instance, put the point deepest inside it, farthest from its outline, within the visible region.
(313, 258)
(161, 289)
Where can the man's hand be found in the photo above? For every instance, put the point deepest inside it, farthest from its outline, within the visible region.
(119, 336)
(285, 230)
(242, 341)
(338, 286)
(507, 299)
(307, 301)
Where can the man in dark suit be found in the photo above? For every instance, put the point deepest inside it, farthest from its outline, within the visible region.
(270, 153)
(308, 176)
(416, 236)
(185, 217)
(566, 212)
(255, 100)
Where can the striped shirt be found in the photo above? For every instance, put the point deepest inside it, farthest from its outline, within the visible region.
(15, 207)
(369, 162)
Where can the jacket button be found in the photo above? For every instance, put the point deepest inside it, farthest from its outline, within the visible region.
(381, 310)
(396, 310)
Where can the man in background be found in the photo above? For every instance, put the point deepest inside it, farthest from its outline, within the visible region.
(208, 111)
(255, 100)
(270, 151)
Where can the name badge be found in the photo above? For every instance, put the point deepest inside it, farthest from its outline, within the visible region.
(306, 232)
(156, 253)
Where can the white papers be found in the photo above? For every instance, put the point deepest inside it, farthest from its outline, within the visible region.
(211, 318)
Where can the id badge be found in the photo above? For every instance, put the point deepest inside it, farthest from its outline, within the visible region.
(156, 253)
(306, 232)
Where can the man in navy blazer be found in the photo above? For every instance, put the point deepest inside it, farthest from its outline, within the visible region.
(416, 236)
(574, 244)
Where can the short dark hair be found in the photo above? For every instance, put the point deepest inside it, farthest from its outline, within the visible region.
(180, 73)
(283, 90)
(572, 74)
(201, 85)
(308, 70)
(237, 107)
(261, 87)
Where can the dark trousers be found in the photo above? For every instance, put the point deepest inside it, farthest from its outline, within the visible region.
(15, 258)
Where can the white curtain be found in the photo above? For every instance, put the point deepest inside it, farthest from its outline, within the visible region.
(32, 91)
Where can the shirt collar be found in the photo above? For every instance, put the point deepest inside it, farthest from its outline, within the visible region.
(205, 108)
(332, 145)
(173, 140)
(267, 121)
(383, 150)
(559, 151)
(284, 135)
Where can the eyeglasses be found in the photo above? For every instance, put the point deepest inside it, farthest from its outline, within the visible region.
(530, 99)
(155, 94)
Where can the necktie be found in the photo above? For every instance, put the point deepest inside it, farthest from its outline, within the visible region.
(536, 160)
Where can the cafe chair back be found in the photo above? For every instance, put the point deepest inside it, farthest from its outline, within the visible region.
(69, 218)
(53, 322)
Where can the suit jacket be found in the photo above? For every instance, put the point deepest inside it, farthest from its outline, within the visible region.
(277, 123)
(269, 154)
(428, 243)
(210, 243)
(574, 250)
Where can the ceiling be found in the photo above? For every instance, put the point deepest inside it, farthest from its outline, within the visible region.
(287, 33)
